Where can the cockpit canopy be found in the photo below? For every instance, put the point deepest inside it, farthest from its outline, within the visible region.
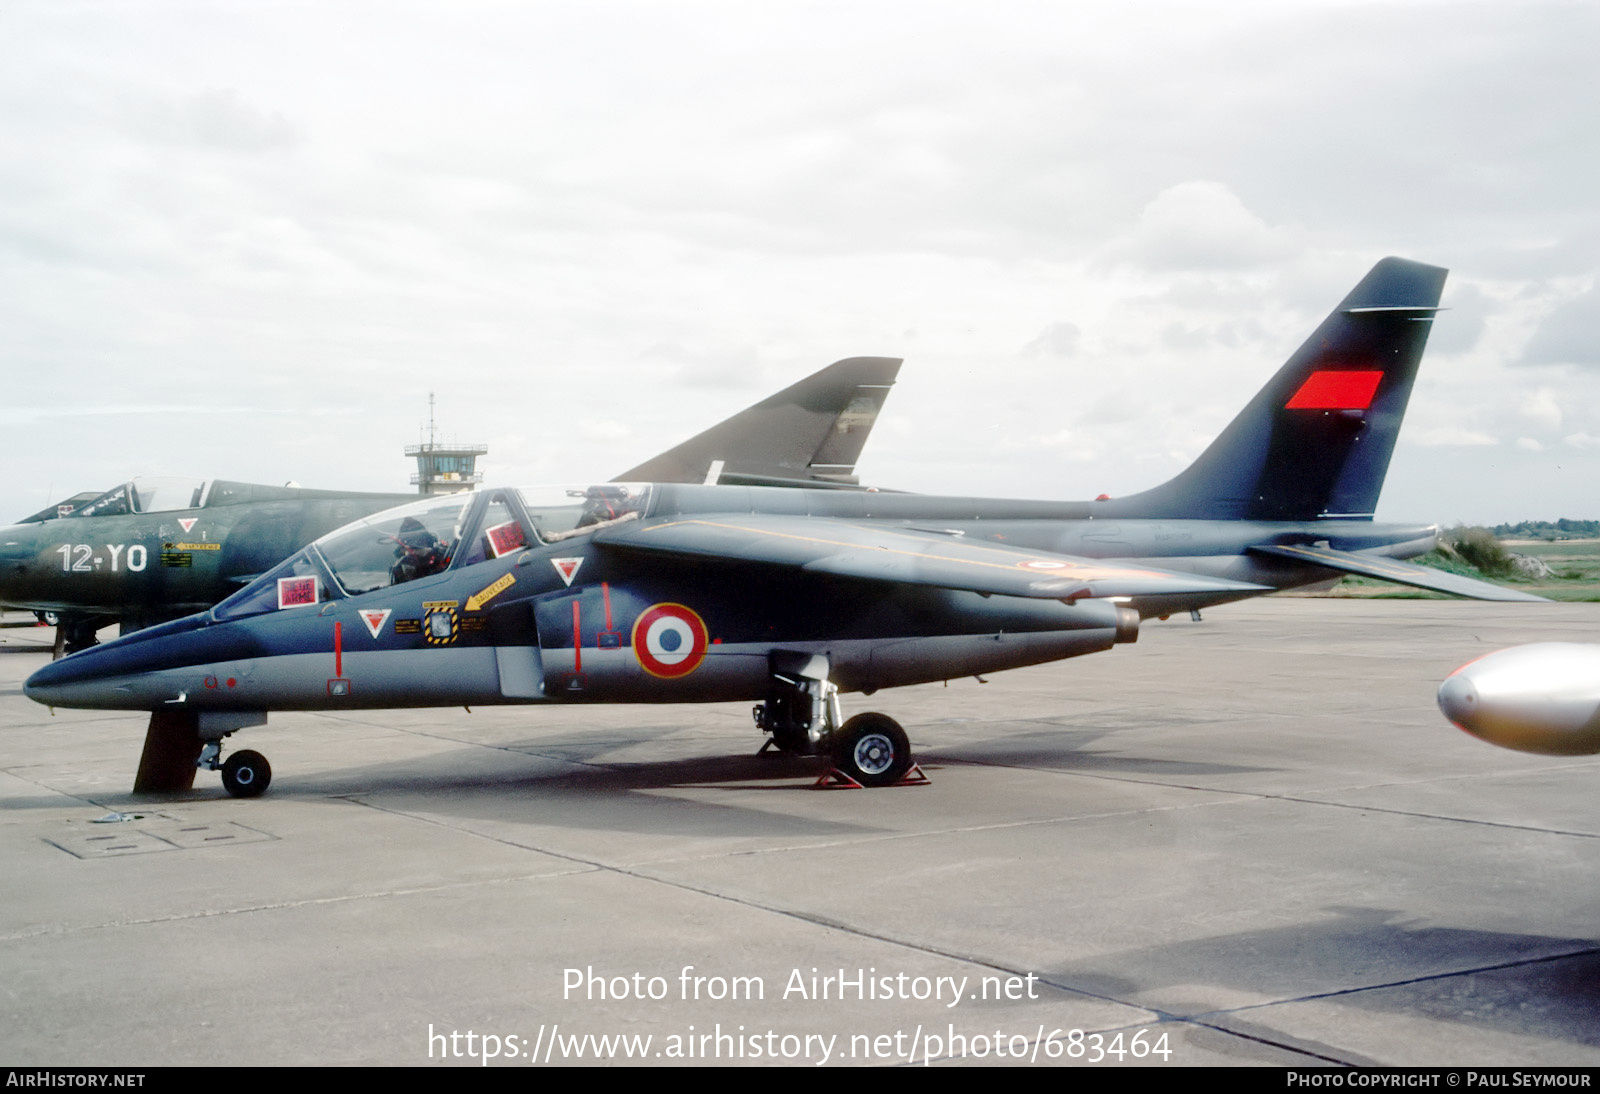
(431, 536)
(146, 495)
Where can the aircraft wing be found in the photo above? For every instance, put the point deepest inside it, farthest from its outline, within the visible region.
(825, 546)
(1393, 569)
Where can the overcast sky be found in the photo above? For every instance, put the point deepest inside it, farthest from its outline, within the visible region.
(245, 240)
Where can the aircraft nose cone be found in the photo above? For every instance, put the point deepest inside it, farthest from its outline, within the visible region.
(1459, 700)
(55, 684)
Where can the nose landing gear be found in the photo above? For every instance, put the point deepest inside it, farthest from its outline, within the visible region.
(245, 774)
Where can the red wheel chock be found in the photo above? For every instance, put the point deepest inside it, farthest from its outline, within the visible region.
(915, 777)
(834, 779)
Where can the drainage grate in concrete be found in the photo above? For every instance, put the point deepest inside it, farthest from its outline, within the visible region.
(154, 833)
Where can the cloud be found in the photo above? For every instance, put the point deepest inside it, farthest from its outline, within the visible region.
(219, 119)
(1461, 325)
(1541, 408)
(1569, 335)
(1451, 436)
(1200, 225)
(597, 429)
(1056, 340)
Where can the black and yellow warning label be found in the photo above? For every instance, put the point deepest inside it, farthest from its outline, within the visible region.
(177, 559)
(408, 626)
(440, 625)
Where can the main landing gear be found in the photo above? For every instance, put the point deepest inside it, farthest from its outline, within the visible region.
(802, 715)
(74, 631)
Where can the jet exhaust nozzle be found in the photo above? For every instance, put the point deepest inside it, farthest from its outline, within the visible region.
(1127, 624)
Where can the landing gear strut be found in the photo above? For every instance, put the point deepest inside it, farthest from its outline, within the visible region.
(802, 715)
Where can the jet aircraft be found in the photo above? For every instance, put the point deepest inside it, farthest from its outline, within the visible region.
(151, 550)
(651, 593)
(1542, 698)
(155, 549)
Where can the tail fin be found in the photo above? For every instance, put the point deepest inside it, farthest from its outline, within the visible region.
(1315, 442)
(809, 434)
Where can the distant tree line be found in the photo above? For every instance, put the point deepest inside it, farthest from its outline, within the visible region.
(1544, 529)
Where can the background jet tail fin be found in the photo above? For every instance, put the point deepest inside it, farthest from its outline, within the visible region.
(810, 433)
(1315, 442)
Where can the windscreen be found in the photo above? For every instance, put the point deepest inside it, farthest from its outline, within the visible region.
(297, 582)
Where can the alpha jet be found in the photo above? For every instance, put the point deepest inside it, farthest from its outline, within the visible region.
(155, 549)
(151, 550)
(651, 593)
(1542, 698)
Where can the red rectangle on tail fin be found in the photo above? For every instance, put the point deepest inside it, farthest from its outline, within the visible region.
(1327, 390)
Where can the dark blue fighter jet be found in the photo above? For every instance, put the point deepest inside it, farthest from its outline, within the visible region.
(667, 593)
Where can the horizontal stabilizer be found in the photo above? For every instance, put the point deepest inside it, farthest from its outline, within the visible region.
(1392, 569)
(822, 546)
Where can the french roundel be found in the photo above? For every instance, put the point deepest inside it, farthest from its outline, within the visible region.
(669, 640)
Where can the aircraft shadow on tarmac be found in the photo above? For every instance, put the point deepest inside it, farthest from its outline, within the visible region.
(1074, 750)
(1372, 958)
(584, 771)
(609, 796)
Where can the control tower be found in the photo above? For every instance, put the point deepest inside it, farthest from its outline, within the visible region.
(445, 467)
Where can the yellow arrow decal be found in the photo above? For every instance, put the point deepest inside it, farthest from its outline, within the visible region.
(478, 599)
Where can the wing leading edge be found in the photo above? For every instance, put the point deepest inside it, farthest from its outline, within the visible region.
(1393, 569)
(824, 546)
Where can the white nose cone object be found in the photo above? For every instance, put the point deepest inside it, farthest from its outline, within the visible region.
(1542, 698)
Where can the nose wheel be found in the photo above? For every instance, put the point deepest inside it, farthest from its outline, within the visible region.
(245, 774)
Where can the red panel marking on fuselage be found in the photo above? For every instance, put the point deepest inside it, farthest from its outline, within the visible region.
(1328, 389)
(577, 640)
(605, 591)
(338, 648)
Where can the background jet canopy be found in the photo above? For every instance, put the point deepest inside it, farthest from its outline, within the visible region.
(146, 495)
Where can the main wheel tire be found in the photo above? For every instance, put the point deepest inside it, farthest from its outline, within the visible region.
(246, 774)
(873, 750)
